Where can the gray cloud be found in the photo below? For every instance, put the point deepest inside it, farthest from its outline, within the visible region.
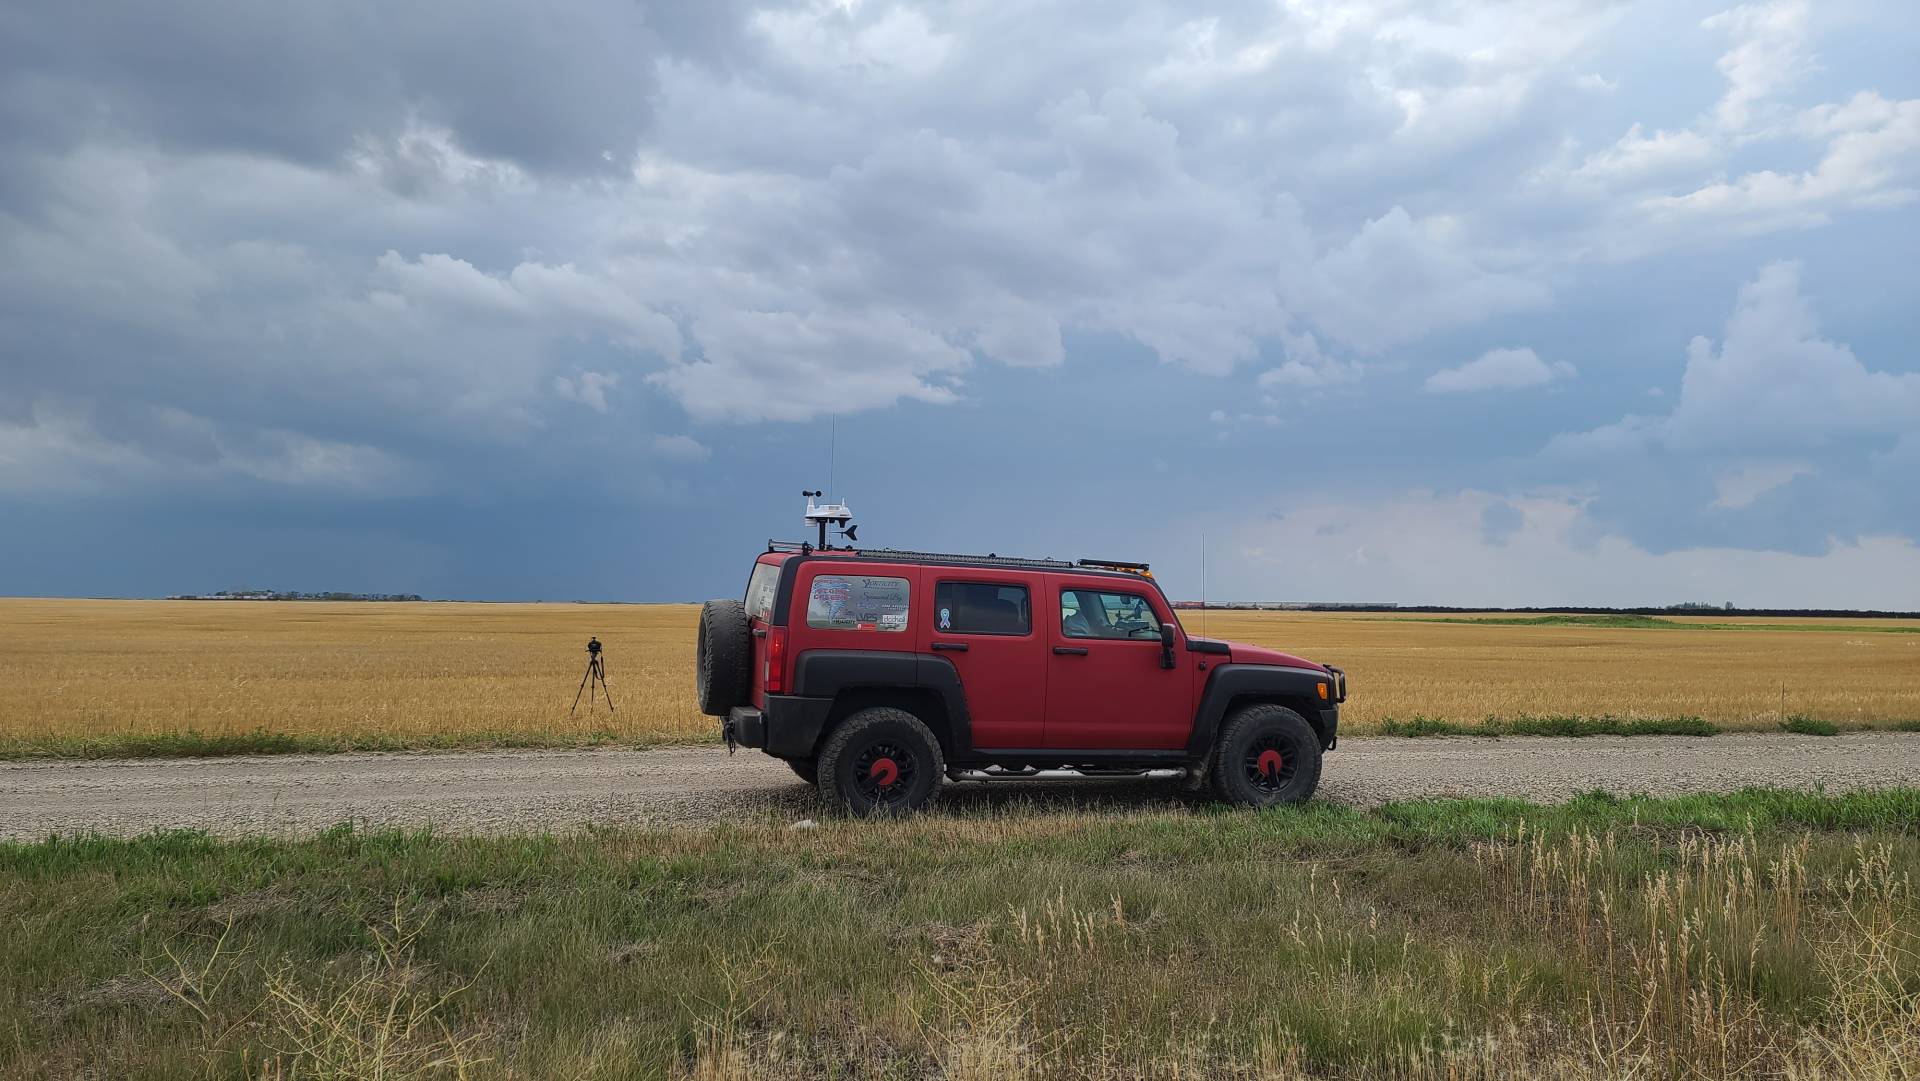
(566, 88)
(336, 247)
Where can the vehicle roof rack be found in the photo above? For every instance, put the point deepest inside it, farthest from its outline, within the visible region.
(988, 560)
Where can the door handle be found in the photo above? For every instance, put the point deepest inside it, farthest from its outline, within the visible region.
(956, 647)
(1070, 651)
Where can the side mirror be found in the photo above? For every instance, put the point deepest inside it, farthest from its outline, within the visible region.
(1166, 645)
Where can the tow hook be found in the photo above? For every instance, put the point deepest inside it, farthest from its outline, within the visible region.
(726, 733)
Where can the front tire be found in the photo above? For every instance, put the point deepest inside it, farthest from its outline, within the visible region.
(1268, 755)
(881, 761)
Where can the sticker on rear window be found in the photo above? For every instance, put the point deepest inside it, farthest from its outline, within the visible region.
(850, 603)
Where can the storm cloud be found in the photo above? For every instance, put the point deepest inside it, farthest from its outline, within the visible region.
(382, 260)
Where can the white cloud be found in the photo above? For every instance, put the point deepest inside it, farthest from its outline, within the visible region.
(63, 445)
(1307, 368)
(1498, 369)
(1766, 54)
(785, 366)
(1400, 278)
(1740, 485)
(1772, 383)
(1775, 381)
(834, 207)
(589, 388)
(1873, 162)
(683, 448)
(1638, 158)
(1423, 547)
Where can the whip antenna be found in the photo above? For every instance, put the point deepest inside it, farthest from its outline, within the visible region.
(1203, 585)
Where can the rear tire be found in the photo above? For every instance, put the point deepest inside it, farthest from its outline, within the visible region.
(1268, 755)
(881, 761)
(805, 768)
(722, 655)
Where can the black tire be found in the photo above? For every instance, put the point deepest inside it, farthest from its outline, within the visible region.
(805, 769)
(881, 761)
(722, 654)
(1244, 771)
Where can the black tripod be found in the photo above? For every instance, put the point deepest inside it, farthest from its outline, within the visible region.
(596, 675)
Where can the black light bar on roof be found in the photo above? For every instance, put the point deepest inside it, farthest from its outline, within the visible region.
(988, 560)
(1114, 565)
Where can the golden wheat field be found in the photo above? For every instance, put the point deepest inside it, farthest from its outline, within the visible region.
(425, 674)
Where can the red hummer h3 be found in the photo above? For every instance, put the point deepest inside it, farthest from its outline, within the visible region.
(877, 673)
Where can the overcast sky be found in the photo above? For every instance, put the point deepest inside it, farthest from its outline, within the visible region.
(1545, 302)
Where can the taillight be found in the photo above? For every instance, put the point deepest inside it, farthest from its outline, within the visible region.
(774, 677)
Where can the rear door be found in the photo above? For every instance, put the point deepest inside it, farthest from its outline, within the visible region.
(761, 586)
(983, 624)
(1105, 687)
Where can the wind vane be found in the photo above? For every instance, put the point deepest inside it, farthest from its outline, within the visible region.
(825, 514)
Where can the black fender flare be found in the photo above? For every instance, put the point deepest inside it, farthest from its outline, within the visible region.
(826, 673)
(1230, 681)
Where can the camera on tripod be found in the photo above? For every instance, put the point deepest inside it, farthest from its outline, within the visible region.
(596, 678)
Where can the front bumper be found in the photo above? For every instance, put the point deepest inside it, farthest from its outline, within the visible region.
(789, 726)
(1329, 727)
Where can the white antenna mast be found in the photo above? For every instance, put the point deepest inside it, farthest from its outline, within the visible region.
(836, 513)
(1203, 584)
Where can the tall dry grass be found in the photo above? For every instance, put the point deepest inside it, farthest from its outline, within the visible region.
(1710, 958)
(108, 675)
(356, 674)
(1762, 934)
(1403, 668)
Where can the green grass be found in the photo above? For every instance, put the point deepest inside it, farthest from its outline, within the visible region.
(1323, 939)
(1653, 623)
(192, 744)
(1809, 726)
(1551, 726)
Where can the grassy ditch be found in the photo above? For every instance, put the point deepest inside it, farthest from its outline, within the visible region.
(191, 744)
(1762, 932)
(1551, 726)
(195, 744)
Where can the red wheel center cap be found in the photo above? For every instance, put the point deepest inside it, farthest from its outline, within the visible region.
(1269, 763)
(884, 771)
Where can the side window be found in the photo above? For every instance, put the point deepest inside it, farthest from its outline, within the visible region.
(981, 608)
(846, 602)
(760, 587)
(1095, 613)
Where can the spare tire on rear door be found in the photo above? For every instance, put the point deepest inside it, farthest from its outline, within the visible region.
(721, 658)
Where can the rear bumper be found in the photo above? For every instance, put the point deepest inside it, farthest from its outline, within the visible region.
(788, 728)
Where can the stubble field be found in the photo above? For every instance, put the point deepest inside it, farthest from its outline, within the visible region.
(149, 677)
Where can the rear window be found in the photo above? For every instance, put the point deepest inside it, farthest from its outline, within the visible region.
(760, 587)
(846, 602)
(981, 608)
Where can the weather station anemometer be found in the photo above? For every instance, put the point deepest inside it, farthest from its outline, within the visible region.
(822, 515)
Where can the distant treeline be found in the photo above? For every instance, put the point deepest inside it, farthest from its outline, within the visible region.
(291, 595)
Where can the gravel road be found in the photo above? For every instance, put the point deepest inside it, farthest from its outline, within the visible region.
(496, 791)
